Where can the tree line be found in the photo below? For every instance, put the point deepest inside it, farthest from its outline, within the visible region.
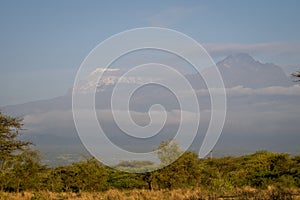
(21, 170)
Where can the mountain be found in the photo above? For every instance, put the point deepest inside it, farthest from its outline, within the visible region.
(261, 100)
(243, 70)
(236, 70)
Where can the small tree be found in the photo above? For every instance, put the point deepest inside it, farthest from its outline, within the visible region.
(168, 152)
(181, 169)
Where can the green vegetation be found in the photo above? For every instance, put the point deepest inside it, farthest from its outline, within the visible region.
(21, 171)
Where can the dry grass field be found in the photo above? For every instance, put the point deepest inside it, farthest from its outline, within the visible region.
(179, 194)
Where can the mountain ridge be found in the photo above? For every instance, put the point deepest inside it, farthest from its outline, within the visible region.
(236, 70)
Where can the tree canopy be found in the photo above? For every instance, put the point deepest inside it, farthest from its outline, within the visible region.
(10, 145)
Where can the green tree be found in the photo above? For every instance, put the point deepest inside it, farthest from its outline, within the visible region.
(168, 152)
(19, 164)
(123, 180)
(27, 171)
(90, 175)
(10, 145)
(182, 173)
(177, 173)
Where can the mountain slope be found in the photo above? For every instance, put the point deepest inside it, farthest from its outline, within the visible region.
(242, 70)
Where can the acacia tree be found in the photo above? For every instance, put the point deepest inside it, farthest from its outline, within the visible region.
(168, 152)
(19, 164)
(180, 171)
(10, 145)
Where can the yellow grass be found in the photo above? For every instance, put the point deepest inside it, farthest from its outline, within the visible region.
(179, 194)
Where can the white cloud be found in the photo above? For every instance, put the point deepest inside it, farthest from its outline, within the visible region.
(65, 118)
(240, 90)
(55, 116)
(171, 15)
(274, 90)
(266, 48)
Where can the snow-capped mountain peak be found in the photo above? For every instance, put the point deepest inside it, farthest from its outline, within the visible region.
(102, 70)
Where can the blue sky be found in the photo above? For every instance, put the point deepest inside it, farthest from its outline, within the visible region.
(44, 42)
